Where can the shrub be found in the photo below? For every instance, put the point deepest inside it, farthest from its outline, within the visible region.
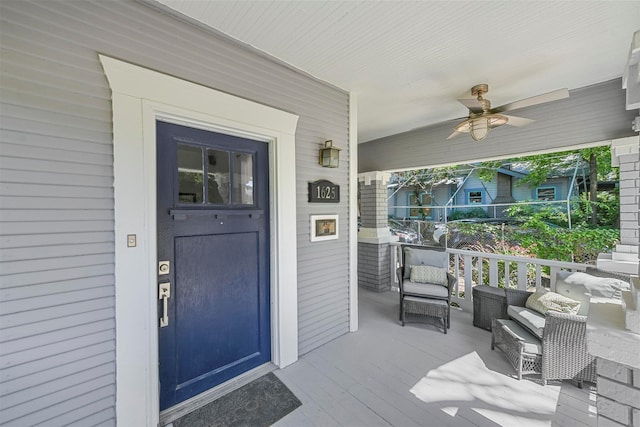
(468, 213)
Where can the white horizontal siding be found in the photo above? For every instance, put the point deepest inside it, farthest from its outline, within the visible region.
(55, 324)
(28, 242)
(21, 372)
(56, 195)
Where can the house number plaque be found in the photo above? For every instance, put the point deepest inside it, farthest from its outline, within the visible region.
(324, 191)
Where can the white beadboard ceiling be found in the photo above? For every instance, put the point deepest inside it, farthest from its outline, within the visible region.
(408, 61)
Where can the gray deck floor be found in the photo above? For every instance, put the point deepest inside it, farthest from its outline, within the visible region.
(365, 379)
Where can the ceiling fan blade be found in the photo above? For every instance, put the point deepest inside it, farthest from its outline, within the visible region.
(472, 104)
(518, 121)
(454, 134)
(534, 100)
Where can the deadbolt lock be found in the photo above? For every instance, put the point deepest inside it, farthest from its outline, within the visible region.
(164, 267)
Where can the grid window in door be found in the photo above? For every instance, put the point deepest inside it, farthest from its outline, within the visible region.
(230, 176)
(218, 176)
(190, 173)
(243, 179)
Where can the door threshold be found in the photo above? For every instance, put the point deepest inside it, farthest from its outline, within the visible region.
(183, 408)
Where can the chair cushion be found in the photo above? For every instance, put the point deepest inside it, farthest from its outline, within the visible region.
(428, 290)
(543, 301)
(428, 274)
(415, 256)
(597, 286)
(531, 320)
(532, 345)
(577, 292)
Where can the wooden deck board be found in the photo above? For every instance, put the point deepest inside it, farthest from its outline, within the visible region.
(365, 378)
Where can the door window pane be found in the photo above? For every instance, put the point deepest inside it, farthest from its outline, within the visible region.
(218, 176)
(243, 179)
(190, 174)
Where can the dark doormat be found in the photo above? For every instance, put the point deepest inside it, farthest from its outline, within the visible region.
(260, 403)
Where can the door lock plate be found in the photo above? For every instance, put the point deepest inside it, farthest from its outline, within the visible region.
(164, 267)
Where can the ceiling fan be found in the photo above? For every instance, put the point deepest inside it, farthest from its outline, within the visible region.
(482, 118)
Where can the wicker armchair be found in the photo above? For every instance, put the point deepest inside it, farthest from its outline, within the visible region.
(564, 346)
(431, 257)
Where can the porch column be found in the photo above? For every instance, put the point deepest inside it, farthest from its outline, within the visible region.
(613, 331)
(625, 154)
(374, 252)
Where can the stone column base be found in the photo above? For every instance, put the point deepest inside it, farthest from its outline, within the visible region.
(618, 398)
(374, 266)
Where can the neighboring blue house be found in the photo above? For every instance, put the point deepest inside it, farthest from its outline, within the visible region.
(464, 192)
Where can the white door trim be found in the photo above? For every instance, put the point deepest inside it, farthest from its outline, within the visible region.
(139, 97)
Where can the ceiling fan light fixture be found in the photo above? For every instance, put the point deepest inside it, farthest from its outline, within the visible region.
(482, 118)
(479, 126)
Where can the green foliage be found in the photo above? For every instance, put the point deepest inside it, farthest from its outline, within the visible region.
(552, 214)
(580, 244)
(468, 213)
(424, 179)
(539, 239)
(608, 209)
(541, 166)
(486, 171)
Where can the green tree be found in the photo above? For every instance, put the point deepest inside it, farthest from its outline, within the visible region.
(598, 159)
(423, 180)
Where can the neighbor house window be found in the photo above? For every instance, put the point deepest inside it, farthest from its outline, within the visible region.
(474, 197)
(425, 200)
(546, 193)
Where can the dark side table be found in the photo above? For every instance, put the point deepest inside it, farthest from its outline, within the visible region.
(488, 303)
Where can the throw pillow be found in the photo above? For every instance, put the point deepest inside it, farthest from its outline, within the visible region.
(428, 274)
(577, 292)
(434, 258)
(546, 301)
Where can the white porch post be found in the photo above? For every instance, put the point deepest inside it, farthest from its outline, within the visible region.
(613, 331)
(625, 154)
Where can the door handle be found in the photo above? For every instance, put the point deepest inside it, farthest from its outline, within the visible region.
(164, 293)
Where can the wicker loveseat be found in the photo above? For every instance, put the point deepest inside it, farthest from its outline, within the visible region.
(562, 335)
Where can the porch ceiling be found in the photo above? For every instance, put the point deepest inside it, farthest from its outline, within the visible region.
(409, 61)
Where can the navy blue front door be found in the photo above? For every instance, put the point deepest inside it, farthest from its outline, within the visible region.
(213, 253)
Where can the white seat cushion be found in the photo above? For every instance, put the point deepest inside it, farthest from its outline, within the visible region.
(425, 289)
(532, 345)
(530, 319)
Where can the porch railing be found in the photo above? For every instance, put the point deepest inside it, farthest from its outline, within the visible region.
(481, 268)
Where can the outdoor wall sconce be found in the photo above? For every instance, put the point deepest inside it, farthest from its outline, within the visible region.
(329, 155)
